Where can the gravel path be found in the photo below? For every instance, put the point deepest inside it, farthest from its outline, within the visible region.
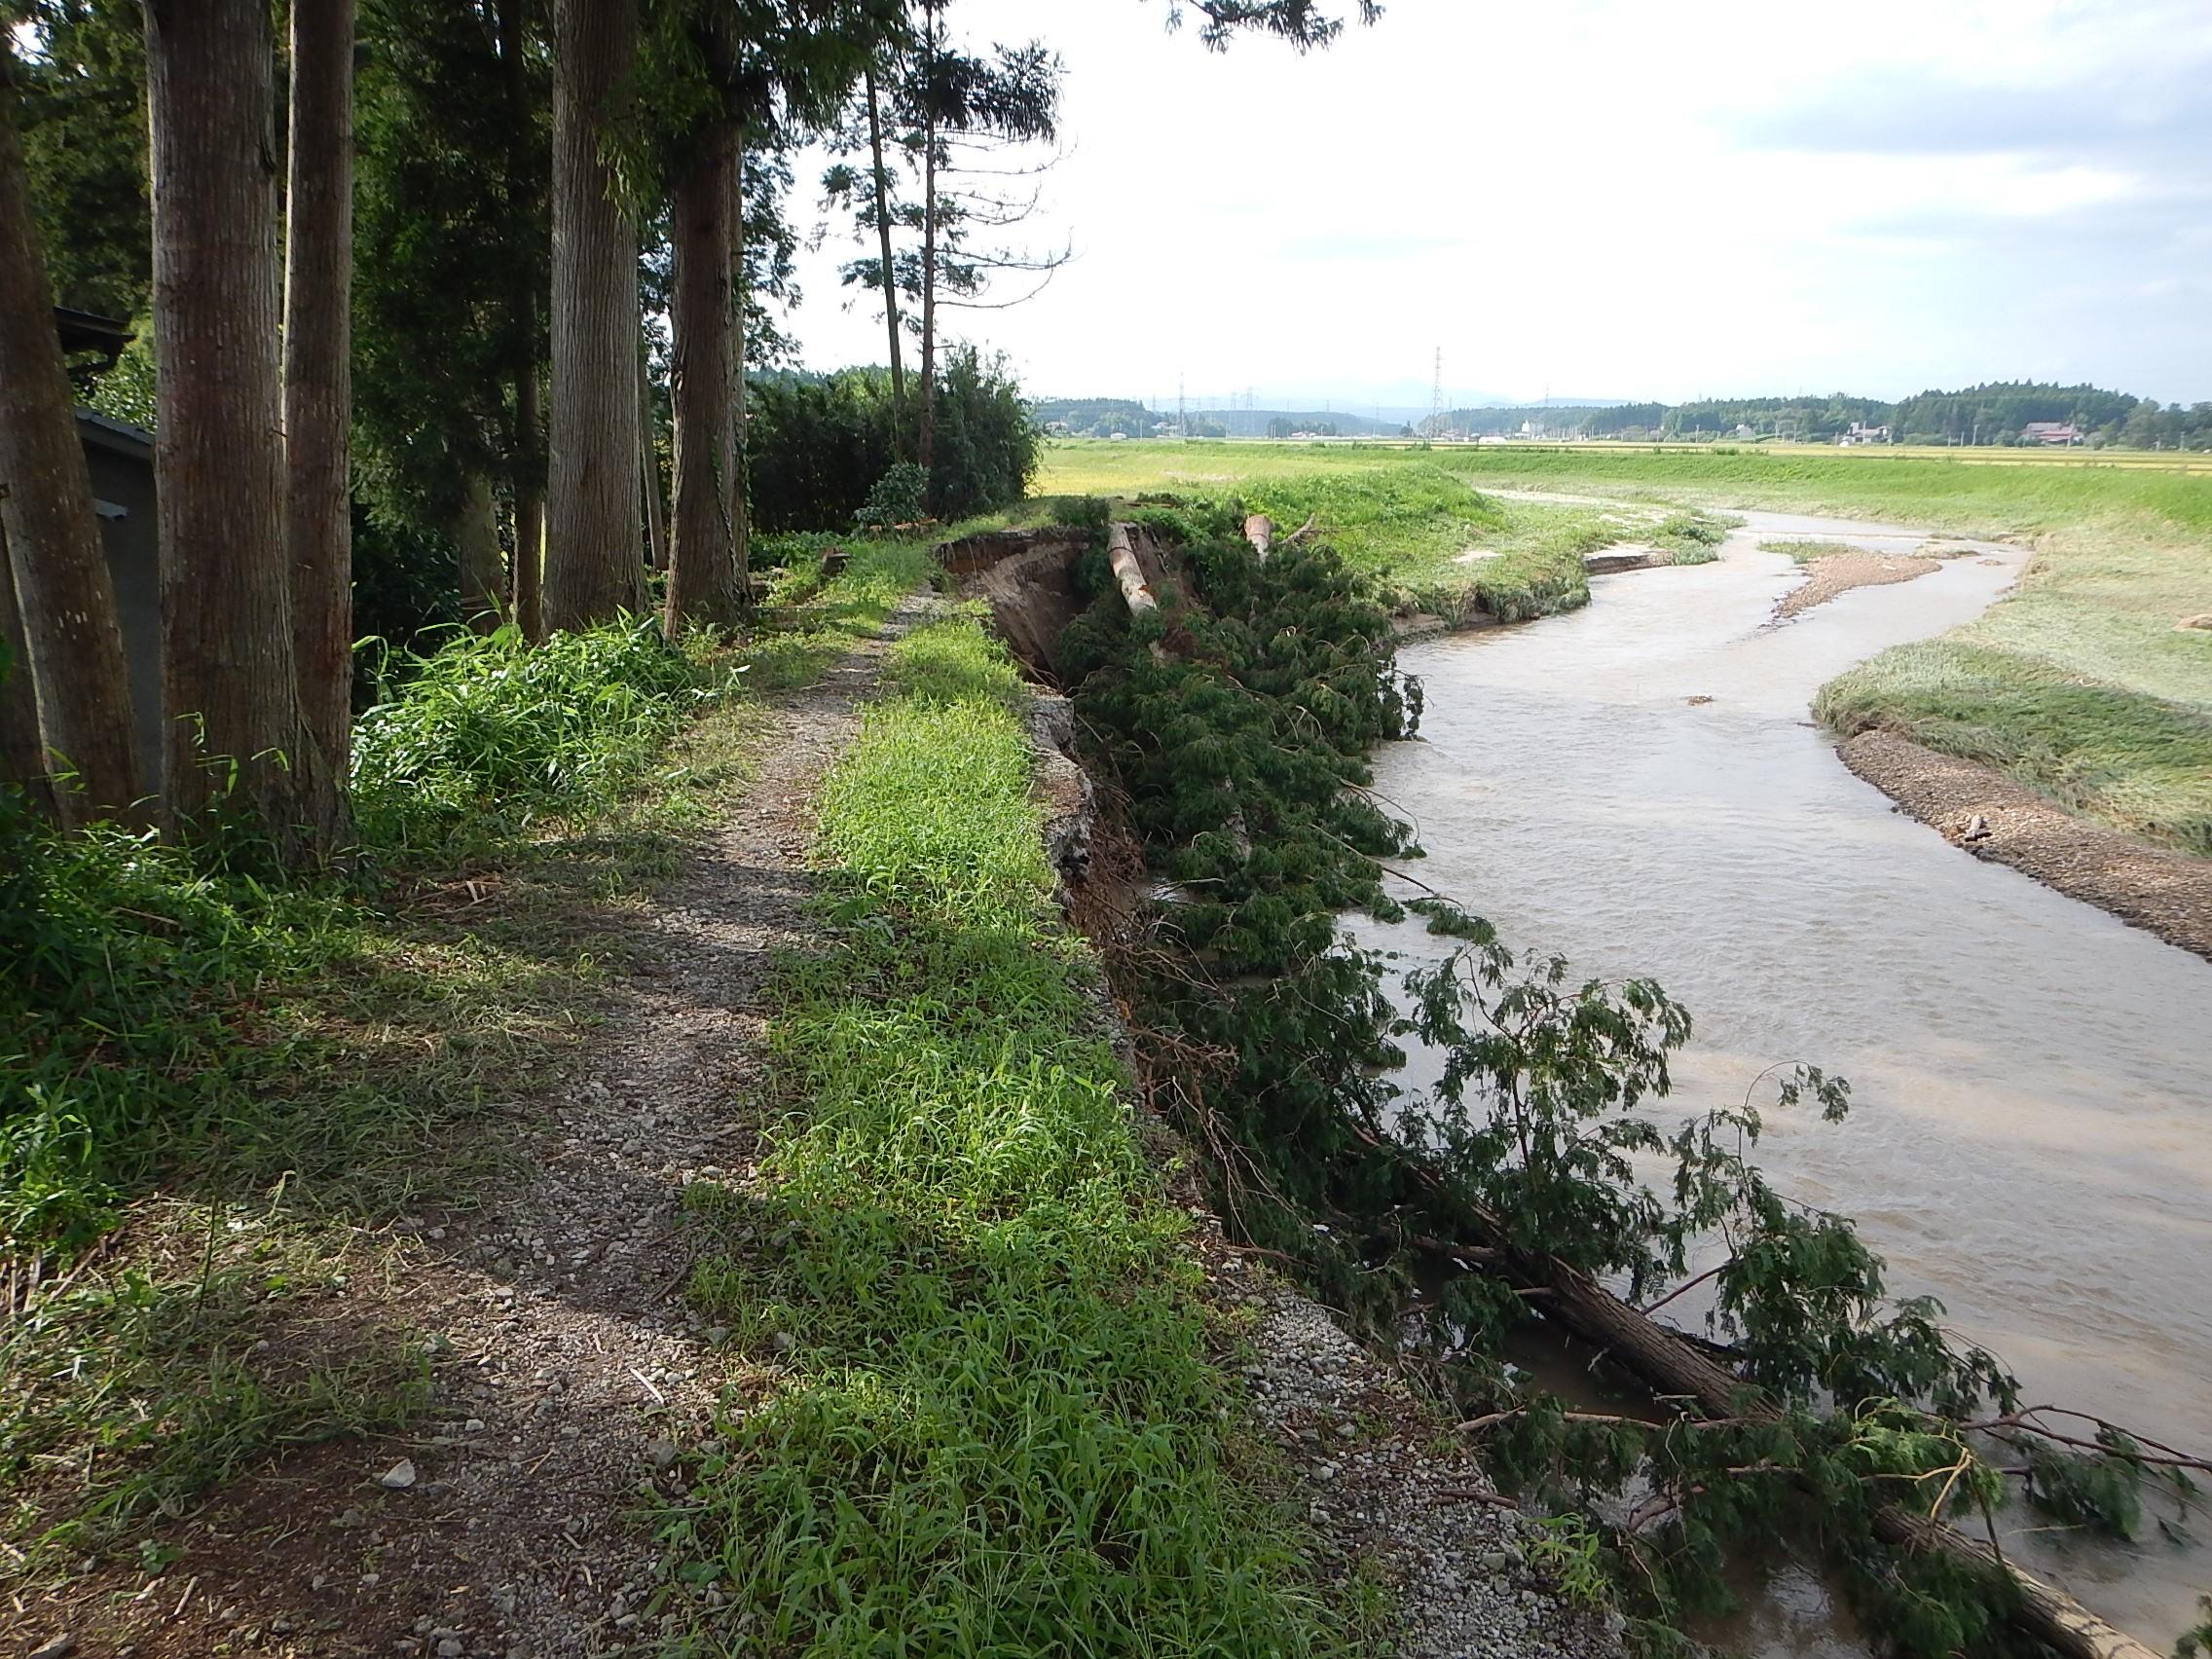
(2165, 893)
(1454, 1555)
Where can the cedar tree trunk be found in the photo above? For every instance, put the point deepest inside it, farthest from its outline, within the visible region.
(648, 462)
(890, 271)
(529, 571)
(230, 693)
(62, 591)
(528, 480)
(929, 304)
(740, 515)
(22, 756)
(483, 568)
(319, 391)
(591, 565)
(703, 559)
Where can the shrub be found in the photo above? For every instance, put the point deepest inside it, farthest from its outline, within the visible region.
(486, 733)
(815, 447)
(899, 497)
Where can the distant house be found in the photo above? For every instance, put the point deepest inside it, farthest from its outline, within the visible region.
(2050, 432)
(1861, 433)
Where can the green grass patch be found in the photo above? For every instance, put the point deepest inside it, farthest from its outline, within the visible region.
(2137, 761)
(992, 1425)
(810, 622)
(1691, 538)
(477, 739)
(1983, 492)
(1439, 545)
(1429, 539)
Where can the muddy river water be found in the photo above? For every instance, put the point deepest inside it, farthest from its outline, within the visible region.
(2031, 1138)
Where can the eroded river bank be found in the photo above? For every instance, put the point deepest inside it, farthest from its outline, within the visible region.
(1639, 786)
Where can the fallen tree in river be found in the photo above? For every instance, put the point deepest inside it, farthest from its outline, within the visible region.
(1543, 1059)
(1239, 756)
(1682, 1374)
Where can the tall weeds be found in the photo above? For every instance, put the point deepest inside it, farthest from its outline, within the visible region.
(483, 736)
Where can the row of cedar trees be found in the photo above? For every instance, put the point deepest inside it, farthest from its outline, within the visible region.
(253, 418)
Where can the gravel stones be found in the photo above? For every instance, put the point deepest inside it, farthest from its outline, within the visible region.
(1381, 1496)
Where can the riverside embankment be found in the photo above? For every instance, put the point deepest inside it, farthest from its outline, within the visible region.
(1637, 786)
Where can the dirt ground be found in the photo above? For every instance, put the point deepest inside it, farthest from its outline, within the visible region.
(2165, 893)
(1840, 573)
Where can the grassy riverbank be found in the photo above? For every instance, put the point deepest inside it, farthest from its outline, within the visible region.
(1431, 540)
(997, 1429)
(2079, 684)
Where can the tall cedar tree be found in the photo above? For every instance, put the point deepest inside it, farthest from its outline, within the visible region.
(61, 586)
(775, 69)
(879, 178)
(318, 397)
(877, 213)
(1013, 97)
(593, 564)
(238, 738)
(524, 202)
(706, 568)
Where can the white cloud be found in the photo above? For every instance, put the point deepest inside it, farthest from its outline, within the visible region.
(1611, 199)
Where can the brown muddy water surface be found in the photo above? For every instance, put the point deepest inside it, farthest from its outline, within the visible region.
(2031, 1133)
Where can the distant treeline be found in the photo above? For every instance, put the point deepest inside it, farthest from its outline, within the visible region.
(1999, 413)
(1125, 417)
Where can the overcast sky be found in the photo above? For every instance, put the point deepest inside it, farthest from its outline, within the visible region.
(1613, 199)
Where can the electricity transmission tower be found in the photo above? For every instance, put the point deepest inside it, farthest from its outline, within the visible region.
(1436, 399)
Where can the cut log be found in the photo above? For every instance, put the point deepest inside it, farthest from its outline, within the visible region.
(1681, 1372)
(1127, 571)
(1260, 532)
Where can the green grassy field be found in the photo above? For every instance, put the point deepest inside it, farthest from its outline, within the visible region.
(2079, 684)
